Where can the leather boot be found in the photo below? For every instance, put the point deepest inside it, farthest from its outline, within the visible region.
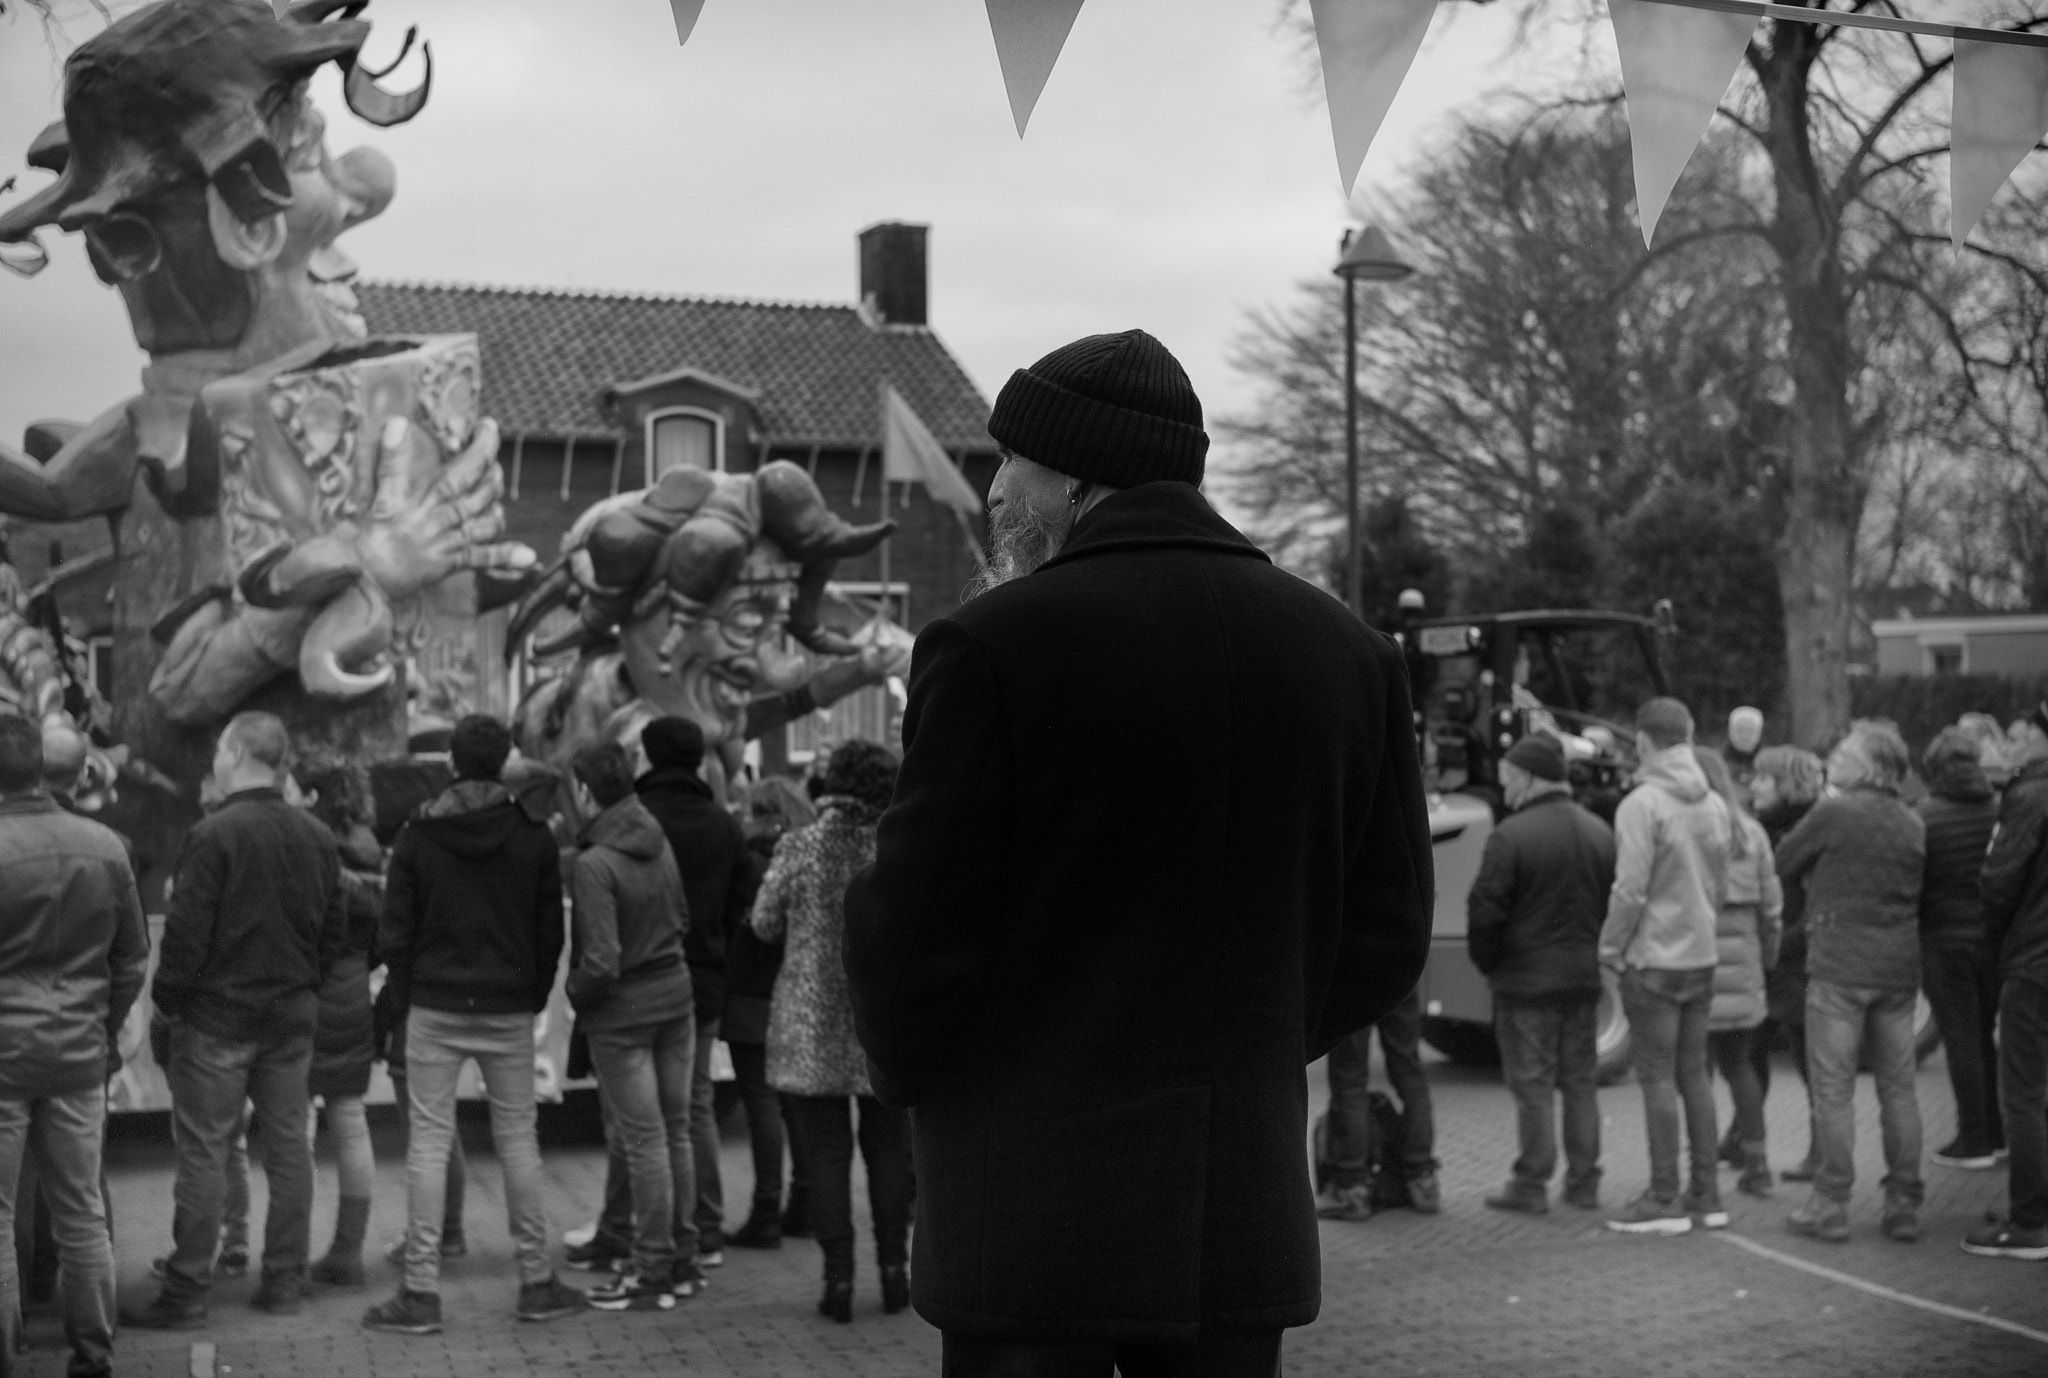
(1756, 1170)
(343, 1265)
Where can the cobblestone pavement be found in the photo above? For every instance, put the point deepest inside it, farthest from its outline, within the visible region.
(1465, 1292)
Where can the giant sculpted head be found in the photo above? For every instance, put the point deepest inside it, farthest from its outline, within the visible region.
(685, 597)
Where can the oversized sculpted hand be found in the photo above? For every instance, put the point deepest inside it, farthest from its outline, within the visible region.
(420, 530)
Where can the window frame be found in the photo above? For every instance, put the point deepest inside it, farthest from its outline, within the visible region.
(658, 414)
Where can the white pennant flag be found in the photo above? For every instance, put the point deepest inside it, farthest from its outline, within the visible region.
(1367, 47)
(1675, 67)
(1029, 35)
(2001, 112)
(910, 452)
(686, 12)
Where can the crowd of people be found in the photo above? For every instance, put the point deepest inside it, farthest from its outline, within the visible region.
(1759, 898)
(686, 921)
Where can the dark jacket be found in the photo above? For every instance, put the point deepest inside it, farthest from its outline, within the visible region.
(1534, 912)
(1785, 983)
(1859, 855)
(72, 948)
(627, 967)
(2015, 884)
(1960, 813)
(473, 904)
(710, 853)
(1159, 839)
(257, 917)
(751, 964)
(342, 1042)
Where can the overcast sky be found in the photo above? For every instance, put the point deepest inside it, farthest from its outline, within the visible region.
(1177, 172)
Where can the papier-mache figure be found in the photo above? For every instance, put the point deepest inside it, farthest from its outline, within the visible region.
(683, 594)
(297, 511)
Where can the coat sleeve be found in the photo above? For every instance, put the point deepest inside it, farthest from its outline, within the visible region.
(188, 926)
(335, 927)
(1635, 840)
(1389, 884)
(924, 923)
(398, 931)
(596, 918)
(743, 881)
(2015, 847)
(1800, 850)
(1770, 913)
(1490, 902)
(128, 956)
(548, 921)
(770, 915)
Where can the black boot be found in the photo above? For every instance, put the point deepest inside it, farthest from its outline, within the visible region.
(838, 1300)
(763, 1230)
(895, 1288)
(796, 1216)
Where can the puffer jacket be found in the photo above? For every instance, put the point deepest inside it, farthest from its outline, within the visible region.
(812, 1047)
(72, 948)
(2015, 884)
(1671, 868)
(1747, 933)
(1960, 812)
(343, 1043)
(626, 965)
(1859, 855)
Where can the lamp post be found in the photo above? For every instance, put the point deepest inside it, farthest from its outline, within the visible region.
(1367, 256)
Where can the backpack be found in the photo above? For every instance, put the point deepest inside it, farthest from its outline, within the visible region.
(1384, 1159)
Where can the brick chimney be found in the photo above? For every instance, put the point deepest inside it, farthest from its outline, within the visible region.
(892, 273)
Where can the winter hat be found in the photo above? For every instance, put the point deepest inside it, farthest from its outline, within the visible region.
(673, 744)
(1540, 754)
(1114, 409)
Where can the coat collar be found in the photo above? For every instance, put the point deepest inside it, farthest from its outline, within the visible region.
(29, 801)
(1152, 516)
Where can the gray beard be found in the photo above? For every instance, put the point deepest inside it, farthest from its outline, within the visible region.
(1021, 541)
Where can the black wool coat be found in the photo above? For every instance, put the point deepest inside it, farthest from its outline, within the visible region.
(1159, 841)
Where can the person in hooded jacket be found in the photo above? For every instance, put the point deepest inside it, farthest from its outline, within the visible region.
(1860, 854)
(710, 853)
(1670, 875)
(629, 982)
(1958, 971)
(1746, 936)
(1787, 784)
(471, 936)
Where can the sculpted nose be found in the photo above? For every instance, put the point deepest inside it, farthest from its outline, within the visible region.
(368, 179)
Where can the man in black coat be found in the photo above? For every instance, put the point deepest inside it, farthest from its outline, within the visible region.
(709, 852)
(1159, 841)
(1533, 922)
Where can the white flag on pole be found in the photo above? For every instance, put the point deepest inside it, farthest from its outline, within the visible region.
(1675, 67)
(911, 452)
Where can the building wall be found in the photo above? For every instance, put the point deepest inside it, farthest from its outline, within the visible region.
(2007, 653)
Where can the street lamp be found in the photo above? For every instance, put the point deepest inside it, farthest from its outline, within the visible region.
(1365, 256)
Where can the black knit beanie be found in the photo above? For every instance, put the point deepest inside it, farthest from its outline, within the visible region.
(1114, 409)
(673, 744)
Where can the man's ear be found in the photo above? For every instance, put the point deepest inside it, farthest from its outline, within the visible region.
(246, 246)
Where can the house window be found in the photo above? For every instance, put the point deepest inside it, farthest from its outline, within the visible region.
(684, 438)
(1945, 660)
(866, 714)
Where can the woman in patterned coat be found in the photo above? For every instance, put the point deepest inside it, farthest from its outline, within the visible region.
(814, 1057)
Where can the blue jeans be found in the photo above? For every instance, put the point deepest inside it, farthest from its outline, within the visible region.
(212, 1080)
(645, 1074)
(2023, 1082)
(1840, 1022)
(710, 1203)
(62, 1134)
(1546, 1049)
(1667, 1020)
(1351, 1107)
(437, 1043)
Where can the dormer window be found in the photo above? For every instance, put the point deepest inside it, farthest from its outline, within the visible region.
(684, 438)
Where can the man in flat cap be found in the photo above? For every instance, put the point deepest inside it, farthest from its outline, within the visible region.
(1159, 841)
(1533, 922)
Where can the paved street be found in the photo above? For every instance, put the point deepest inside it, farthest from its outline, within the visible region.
(1469, 1291)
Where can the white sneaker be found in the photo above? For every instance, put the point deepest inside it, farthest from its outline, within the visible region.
(580, 1236)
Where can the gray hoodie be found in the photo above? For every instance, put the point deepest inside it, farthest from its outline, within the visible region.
(1671, 868)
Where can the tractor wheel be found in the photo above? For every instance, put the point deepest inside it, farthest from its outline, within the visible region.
(1463, 1042)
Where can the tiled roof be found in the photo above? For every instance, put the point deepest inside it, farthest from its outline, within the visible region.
(547, 356)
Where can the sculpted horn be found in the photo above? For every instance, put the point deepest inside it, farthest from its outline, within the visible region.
(795, 517)
(384, 108)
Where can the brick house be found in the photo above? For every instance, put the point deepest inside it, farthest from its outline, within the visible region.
(596, 393)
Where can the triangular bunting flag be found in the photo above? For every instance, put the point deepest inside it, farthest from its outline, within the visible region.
(2001, 112)
(280, 6)
(1367, 47)
(911, 452)
(686, 12)
(1029, 35)
(1675, 67)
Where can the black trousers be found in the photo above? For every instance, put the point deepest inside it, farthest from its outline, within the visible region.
(825, 1127)
(1217, 1354)
(1961, 982)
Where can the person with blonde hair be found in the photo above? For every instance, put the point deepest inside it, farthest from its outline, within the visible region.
(1860, 854)
(1787, 784)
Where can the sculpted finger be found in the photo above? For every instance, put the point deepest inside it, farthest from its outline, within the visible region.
(513, 555)
(478, 464)
(391, 467)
